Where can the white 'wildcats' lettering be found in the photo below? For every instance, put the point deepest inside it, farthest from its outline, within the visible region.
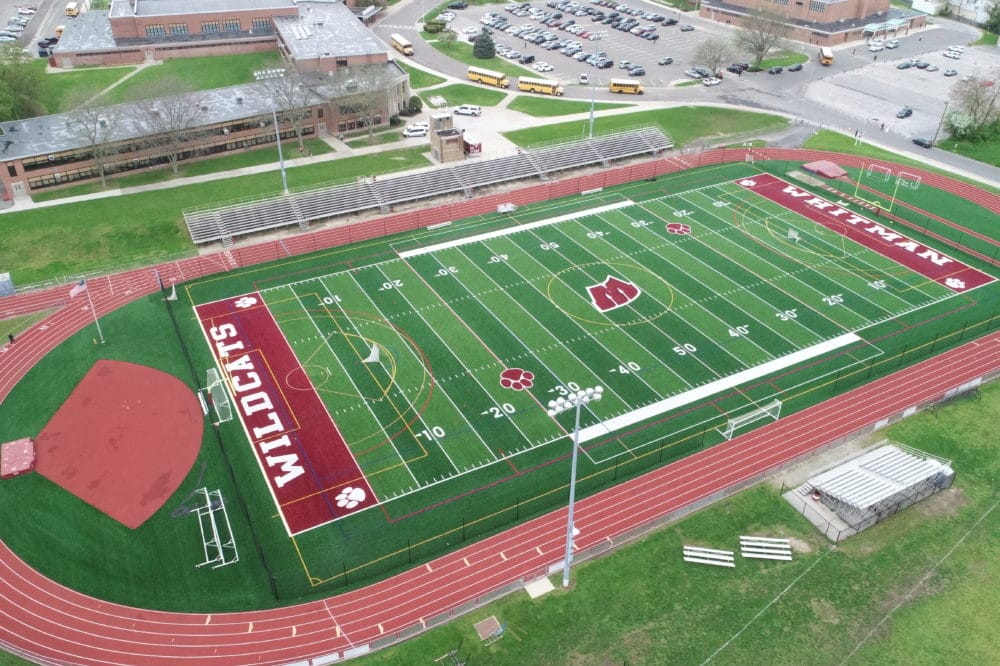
(796, 192)
(289, 465)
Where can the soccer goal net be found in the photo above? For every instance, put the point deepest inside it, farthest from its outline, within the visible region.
(215, 397)
(770, 410)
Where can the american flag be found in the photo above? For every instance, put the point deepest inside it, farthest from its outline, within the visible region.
(78, 289)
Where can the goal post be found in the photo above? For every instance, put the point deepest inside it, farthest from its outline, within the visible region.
(215, 397)
(770, 410)
(217, 539)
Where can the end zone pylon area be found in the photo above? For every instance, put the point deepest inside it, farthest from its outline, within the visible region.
(216, 536)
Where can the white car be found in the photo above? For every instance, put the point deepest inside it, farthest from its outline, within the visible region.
(447, 17)
(957, 49)
(875, 47)
(415, 130)
(892, 44)
(469, 110)
(471, 30)
(954, 55)
(711, 81)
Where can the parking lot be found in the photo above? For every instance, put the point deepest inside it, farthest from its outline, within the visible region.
(875, 93)
(562, 34)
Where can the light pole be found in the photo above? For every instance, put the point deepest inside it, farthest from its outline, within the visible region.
(262, 75)
(596, 37)
(575, 400)
(940, 122)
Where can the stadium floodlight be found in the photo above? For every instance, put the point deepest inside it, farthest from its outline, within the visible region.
(576, 399)
(263, 75)
(595, 37)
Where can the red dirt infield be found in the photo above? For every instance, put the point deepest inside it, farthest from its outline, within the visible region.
(123, 441)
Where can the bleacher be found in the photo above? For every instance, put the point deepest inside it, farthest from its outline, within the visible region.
(224, 222)
(879, 482)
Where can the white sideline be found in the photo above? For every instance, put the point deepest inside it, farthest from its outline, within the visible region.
(406, 254)
(673, 402)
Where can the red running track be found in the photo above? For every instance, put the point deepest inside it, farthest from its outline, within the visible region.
(54, 624)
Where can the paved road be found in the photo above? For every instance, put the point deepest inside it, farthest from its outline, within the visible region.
(804, 95)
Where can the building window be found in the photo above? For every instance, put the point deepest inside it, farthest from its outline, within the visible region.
(341, 62)
(210, 26)
(178, 29)
(155, 31)
(231, 25)
(781, 2)
(262, 24)
(817, 6)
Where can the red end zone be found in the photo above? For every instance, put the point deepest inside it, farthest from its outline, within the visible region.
(919, 258)
(313, 476)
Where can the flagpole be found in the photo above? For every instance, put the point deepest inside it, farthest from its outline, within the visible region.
(94, 312)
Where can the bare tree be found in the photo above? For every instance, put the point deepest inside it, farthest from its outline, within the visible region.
(293, 97)
(366, 93)
(761, 32)
(98, 127)
(171, 120)
(713, 52)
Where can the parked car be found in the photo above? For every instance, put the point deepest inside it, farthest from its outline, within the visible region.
(923, 143)
(906, 64)
(905, 112)
(777, 69)
(932, 68)
(469, 110)
(461, 4)
(665, 61)
(710, 81)
(414, 130)
(687, 28)
(950, 72)
(954, 55)
(637, 71)
(797, 67)
(892, 44)
(875, 47)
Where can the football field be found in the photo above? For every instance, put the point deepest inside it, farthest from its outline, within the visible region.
(441, 362)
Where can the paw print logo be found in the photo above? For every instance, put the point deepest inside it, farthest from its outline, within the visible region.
(748, 182)
(955, 283)
(678, 228)
(349, 497)
(246, 302)
(517, 379)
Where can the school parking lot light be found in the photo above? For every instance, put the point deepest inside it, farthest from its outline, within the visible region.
(596, 37)
(577, 400)
(262, 75)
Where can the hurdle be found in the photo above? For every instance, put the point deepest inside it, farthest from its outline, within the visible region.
(219, 545)
(764, 548)
(717, 558)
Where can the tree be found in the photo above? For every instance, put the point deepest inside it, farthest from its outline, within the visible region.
(976, 116)
(97, 126)
(415, 105)
(366, 93)
(293, 96)
(993, 18)
(713, 52)
(171, 120)
(20, 84)
(484, 48)
(761, 32)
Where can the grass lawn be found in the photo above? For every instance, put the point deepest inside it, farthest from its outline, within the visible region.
(987, 152)
(986, 39)
(57, 88)
(462, 93)
(643, 605)
(198, 73)
(841, 143)
(461, 51)
(783, 59)
(214, 165)
(685, 84)
(419, 78)
(377, 139)
(683, 124)
(145, 227)
(546, 107)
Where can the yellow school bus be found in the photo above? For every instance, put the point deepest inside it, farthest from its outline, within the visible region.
(489, 77)
(72, 9)
(628, 86)
(544, 86)
(825, 55)
(401, 44)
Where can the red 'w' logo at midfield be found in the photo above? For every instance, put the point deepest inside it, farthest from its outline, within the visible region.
(612, 293)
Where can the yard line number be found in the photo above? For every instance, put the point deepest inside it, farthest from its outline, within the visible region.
(432, 433)
(499, 411)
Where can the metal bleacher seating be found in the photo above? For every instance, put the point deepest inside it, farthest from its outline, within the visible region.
(224, 222)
